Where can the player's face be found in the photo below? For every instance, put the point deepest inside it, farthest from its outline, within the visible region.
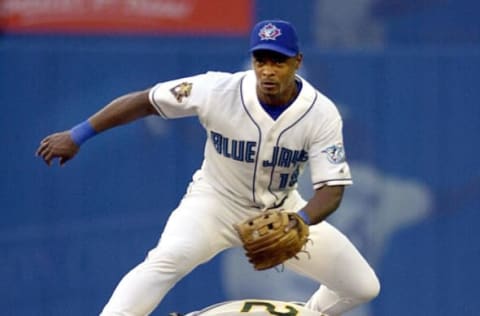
(275, 76)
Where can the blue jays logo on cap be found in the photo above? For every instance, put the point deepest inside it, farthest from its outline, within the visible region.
(269, 32)
(275, 35)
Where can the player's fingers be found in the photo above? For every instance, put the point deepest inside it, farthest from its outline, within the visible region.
(46, 139)
(41, 149)
(43, 145)
(48, 157)
(63, 160)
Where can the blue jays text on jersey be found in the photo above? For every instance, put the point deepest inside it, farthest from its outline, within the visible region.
(242, 150)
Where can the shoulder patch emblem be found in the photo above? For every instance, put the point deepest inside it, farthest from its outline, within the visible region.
(335, 153)
(181, 91)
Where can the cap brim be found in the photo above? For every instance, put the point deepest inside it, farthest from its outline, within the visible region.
(275, 48)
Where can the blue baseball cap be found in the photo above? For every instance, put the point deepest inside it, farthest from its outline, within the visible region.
(276, 35)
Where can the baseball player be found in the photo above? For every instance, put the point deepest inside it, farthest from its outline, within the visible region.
(262, 127)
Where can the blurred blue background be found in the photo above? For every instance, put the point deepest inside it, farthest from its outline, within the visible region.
(405, 75)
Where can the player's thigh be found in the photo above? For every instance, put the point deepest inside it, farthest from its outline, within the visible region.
(198, 226)
(332, 259)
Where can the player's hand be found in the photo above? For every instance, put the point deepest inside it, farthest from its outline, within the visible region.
(58, 145)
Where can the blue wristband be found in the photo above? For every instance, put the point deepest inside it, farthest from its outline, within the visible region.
(82, 132)
(304, 216)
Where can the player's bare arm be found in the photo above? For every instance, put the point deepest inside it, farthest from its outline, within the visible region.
(120, 111)
(123, 110)
(323, 203)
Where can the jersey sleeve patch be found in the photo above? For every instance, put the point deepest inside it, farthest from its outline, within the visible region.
(335, 153)
(182, 91)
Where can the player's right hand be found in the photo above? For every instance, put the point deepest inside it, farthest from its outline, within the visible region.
(58, 145)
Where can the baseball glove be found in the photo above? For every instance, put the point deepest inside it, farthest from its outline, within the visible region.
(272, 237)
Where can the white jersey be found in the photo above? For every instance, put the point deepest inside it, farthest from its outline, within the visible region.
(255, 307)
(250, 157)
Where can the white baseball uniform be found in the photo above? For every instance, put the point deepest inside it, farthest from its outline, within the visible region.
(251, 163)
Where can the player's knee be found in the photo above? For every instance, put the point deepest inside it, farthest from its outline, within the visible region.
(169, 261)
(369, 289)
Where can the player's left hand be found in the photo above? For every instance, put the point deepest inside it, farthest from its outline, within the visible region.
(272, 237)
(58, 145)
